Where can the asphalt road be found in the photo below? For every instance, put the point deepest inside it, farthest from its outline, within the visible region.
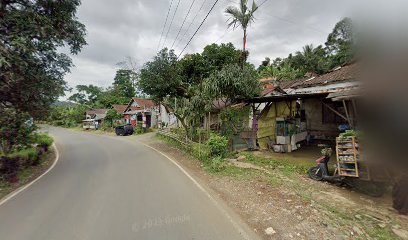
(115, 188)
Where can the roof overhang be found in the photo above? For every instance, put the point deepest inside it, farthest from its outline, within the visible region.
(344, 95)
(286, 97)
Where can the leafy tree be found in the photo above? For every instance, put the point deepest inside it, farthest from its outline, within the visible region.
(14, 130)
(242, 16)
(67, 116)
(87, 94)
(310, 59)
(112, 115)
(339, 49)
(159, 78)
(281, 72)
(179, 84)
(217, 56)
(124, 83)
(31, 69)
(340, 42)
(232, 84)
(109, 97)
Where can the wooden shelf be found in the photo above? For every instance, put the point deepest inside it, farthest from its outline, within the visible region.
(341, 144)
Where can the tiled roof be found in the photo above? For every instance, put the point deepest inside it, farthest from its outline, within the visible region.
(340, 74)
(119, 108)
(291, 83)
(267, 90)
(97, 111)
(144, 103)
(268, 79)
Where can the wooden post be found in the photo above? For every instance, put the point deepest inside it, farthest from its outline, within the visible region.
(347, 114)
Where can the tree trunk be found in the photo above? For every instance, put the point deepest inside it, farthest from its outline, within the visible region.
(244, 49)
(245, 35)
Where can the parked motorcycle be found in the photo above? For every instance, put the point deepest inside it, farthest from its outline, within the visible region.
(321, 173)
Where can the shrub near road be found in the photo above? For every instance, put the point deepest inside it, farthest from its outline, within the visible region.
(24, 157)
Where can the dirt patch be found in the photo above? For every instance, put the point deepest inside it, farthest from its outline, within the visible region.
(278, 205)
(27, 175)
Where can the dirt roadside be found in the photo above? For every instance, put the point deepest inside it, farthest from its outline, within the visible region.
(278, 205)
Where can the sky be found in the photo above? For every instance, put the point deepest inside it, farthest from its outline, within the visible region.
(132, 28)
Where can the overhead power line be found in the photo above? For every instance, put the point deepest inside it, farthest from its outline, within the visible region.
(182, 25)
(171, 23)
(191, 23)
(164, 26)
(262, 3)
(215, 3)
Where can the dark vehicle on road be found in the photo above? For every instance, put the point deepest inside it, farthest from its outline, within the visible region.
(124, 130)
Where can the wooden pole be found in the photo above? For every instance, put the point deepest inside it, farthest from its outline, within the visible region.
(347, 114)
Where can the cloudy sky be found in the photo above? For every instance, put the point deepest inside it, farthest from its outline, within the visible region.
(122, 28)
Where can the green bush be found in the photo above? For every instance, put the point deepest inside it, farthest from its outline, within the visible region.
(27, 156)
(218, 145)
(43, 139)
(139, 128)
(216, 164)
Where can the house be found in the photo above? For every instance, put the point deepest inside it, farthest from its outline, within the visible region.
(119, 108)
(94, 118)
(167, 117)
(314, 108)
(140, 110)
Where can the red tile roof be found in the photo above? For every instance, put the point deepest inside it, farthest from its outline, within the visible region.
(119, 108)
(144, 103)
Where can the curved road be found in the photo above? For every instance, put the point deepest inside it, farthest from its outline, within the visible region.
(114, 188)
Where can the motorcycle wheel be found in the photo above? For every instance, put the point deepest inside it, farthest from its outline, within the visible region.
(315, 173)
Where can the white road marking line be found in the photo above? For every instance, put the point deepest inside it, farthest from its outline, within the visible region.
(22, 188)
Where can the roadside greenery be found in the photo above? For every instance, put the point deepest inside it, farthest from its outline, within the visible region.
(23, 156)
(192, 86)
(338, 50)
(31, 67)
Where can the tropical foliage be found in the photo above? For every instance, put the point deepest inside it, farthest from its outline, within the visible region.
(31, 67)
(242, 16)
(190, 85)
(30, 34)
(338, 50)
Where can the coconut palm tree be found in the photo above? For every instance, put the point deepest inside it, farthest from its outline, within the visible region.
(241, 16)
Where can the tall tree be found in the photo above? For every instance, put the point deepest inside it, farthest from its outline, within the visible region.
(87, 94)
(311, 59)
(340, 42)
(179, 84)
(124, 83)
(31, 68)
(242, 16)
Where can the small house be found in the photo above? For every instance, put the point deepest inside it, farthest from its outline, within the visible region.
(140, 110)
(94, 118)
(311, 109)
